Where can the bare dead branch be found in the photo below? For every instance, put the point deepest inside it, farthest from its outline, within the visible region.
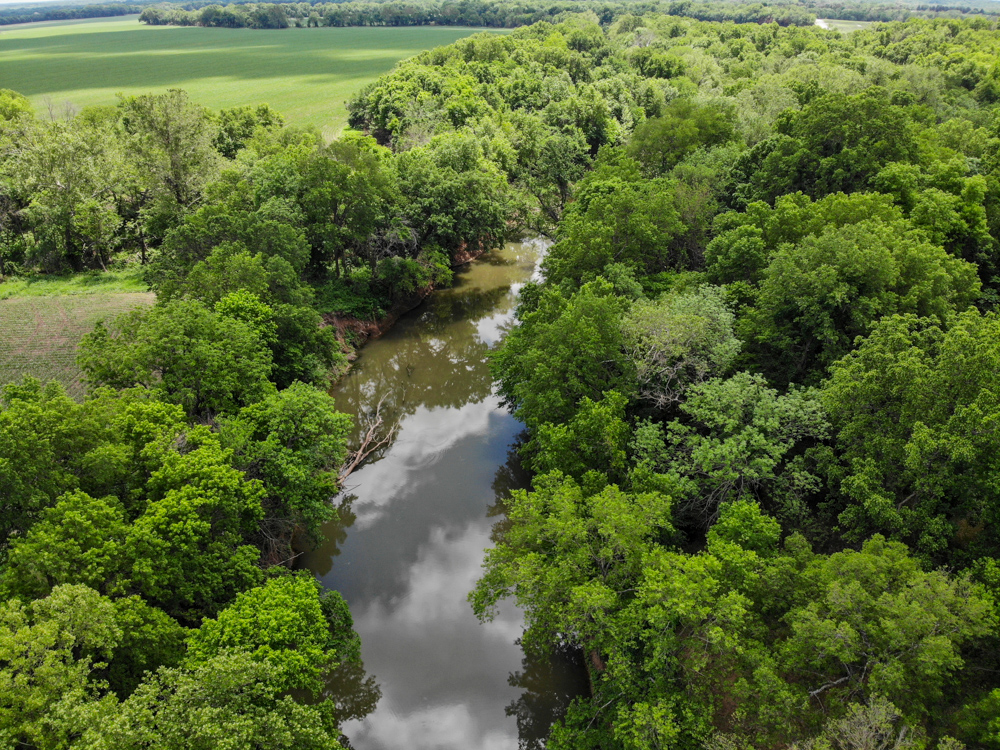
(821, 688)
(374, 439)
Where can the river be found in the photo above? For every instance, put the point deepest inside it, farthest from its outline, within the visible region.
(414, 525)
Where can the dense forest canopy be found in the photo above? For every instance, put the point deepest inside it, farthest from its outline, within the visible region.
(758, 378)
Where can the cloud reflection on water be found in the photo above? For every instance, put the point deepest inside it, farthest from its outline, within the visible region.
(438, 654)
(424, 437)
(415, 550)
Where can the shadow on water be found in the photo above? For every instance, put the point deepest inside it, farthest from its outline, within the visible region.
(354, 692)
(548, 685)
(548, 682)
(511, 475)
(334, 532)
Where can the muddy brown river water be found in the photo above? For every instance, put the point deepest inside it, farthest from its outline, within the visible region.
(415, 523)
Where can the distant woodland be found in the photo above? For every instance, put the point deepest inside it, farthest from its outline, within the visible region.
(480, 13)
(515, 14)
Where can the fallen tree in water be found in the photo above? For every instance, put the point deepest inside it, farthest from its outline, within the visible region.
(377, 435)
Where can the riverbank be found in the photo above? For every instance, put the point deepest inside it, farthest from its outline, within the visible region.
(353, 333)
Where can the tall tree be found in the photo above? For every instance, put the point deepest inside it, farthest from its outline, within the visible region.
(172, 140)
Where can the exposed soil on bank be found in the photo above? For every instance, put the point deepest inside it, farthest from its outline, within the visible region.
(353, 333)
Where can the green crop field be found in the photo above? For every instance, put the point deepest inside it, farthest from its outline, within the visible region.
(39, 333)
(306, 74)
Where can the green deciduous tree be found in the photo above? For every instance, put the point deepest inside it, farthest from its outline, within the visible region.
(875, 624)
(548, 161)
(36, 446)
(745, 242)
(567, 558)
(737, 438)
(818, 296)
(79, 540)
(301, 349)
(564, 350)
(591, 445)
(231, 701)
(294, 442)
(184, 353)
(661, 142)
(172, 141)
(150, 639)
(617, 218)
(913, 408)
(452, 195)
(187, 547)
(14, 106)
(282, 624)
(267, 224)
(48, 650)
(348, 194)
(238, 124)
(68, 175)
(678, 341)
(836, 143)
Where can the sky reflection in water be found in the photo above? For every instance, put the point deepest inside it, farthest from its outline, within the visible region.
(420, 525)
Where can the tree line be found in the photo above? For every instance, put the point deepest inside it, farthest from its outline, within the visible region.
(451, 13)
(147, 592)
(516, 14)
(30, 14)
(498, 15)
